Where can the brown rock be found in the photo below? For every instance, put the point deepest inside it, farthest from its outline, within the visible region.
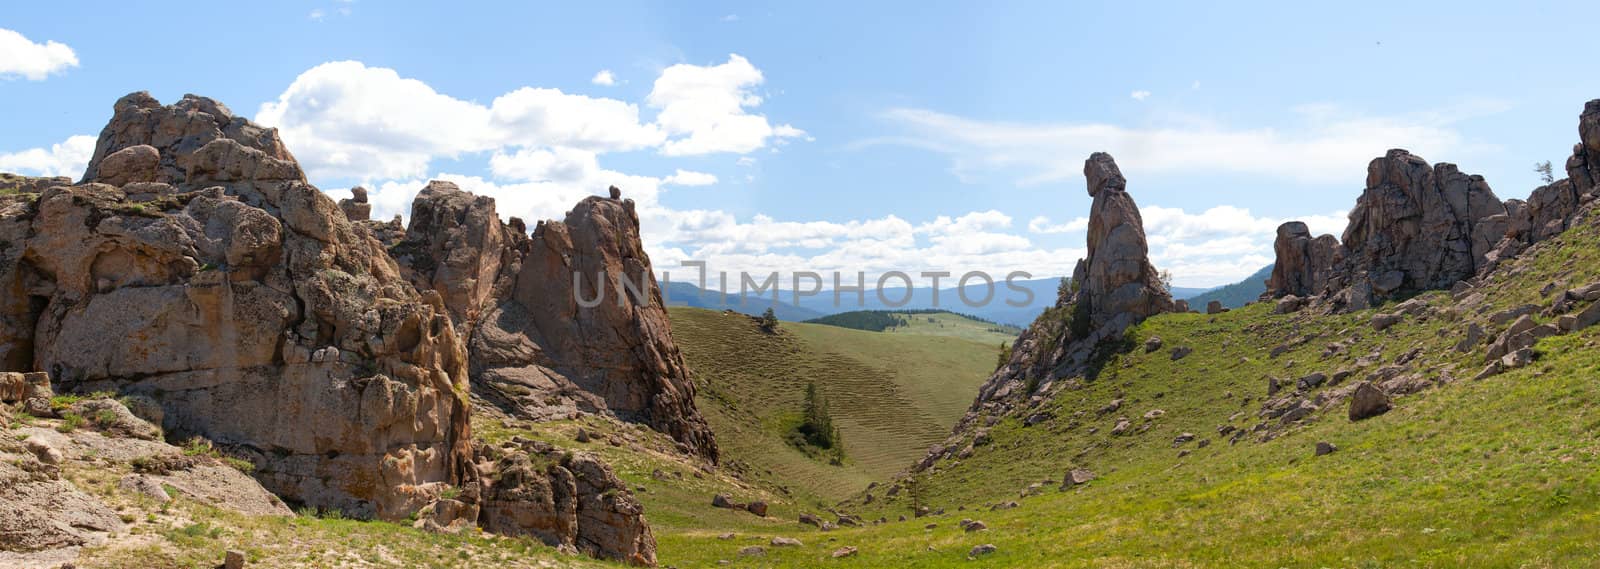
(234, 559)
(138, 163)
(218, 295)
(1368, 401)
(542, 347)
(757, 507)
(1414, 228)
(1120, 279)
(1381, 322)
(1304, 264)
(355, 207)
(566, 499)
(1215, 307)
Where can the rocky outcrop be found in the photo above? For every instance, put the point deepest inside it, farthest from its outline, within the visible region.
(47, 516)
(455, 245)
(567, 321)
(355, 207)
(567, 500)
(1550, 208)
(1417, 227)
(1414, 228)
(1111, 290)
(194, 265)
(1304, 264)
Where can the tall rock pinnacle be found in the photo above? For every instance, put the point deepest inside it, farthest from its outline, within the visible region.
(1114, 288)
(1119, 284)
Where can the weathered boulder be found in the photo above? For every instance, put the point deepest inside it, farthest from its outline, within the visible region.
(570, 500)
(43, 512)
(220, 285)
(355, 207)
(1368, 401)
(455, 245)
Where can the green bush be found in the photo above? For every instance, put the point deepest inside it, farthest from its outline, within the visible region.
(70, 422)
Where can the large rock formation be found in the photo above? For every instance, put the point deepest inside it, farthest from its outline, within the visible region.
(195, 265)
(567, 321)
(1304, 264)
(1119, 284)
(1111, 290)
(1417, 227)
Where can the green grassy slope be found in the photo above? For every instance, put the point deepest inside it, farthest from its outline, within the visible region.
(892, 395)
(1498, 472)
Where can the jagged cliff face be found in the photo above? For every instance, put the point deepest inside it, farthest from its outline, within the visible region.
(536, 351)
(193, 264)
(1417, 227)
(1113, 288)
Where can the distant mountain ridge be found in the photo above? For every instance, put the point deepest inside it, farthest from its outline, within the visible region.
(1041, 294)
(1237, 294)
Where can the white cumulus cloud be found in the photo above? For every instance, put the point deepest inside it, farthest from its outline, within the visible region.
(604, 77)
(21, 57)
(704, 109)
(67, 158)
(347, 120)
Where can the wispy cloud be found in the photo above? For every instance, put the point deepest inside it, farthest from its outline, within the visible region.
(1140, 95)
(1319, 143)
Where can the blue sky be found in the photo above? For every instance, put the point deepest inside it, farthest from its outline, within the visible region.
(840, 136)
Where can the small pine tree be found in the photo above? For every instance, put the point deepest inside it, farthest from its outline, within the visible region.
(1546, 172)
(1063, 288)
(818, 422)
(1005, 355)
(769, 321)
(1166, 281)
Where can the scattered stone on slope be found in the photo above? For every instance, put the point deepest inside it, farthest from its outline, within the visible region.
(1368, 401)
(1325, 448)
